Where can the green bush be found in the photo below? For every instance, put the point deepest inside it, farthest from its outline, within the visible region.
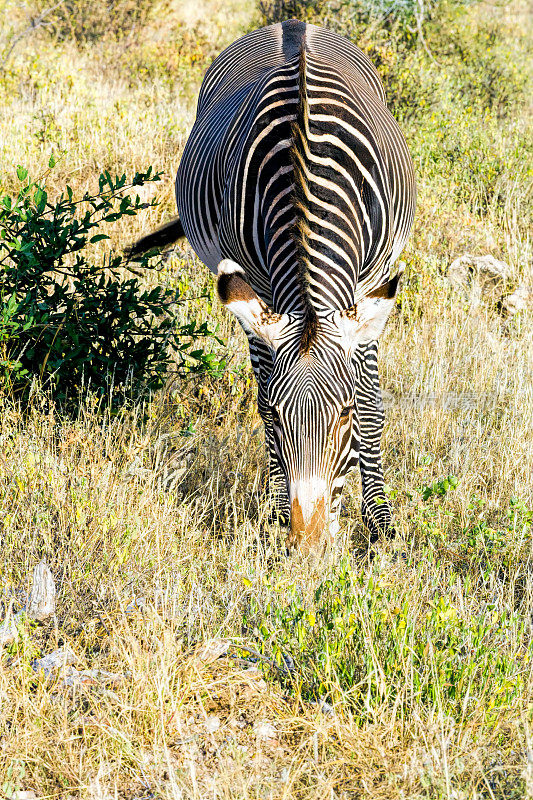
(89, 20)
(305, 10)
(78, 325)
(489, 75)
(424, 52)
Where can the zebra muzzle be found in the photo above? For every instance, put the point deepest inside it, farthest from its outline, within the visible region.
(307, 531)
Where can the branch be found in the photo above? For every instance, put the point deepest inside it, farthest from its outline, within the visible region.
(35, 23)
(419, 17)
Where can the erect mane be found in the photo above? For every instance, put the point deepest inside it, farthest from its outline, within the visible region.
(301, 229)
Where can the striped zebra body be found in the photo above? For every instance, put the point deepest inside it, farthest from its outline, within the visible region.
(296, 186)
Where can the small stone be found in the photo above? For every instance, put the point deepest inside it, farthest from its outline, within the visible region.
(212, 724)
(42, 599)
(137, 604)
(54, 661)
(257, 676)
(260, 763)
(22, 794)
(253, 672)
(265, 730)
(519, 300)
(213, 649)
(487, 269)
(326, 708)
(481, 277)
(91, 677)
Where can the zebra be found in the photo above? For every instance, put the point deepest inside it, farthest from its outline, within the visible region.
(296, 188)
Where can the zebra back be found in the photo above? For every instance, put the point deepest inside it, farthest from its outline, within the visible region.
(296, 170)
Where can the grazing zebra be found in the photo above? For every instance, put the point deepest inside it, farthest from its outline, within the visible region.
(296, 187)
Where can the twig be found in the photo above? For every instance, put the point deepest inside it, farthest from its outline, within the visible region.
(35, 23)
(419, 17)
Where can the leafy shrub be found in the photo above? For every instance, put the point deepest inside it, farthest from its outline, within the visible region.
(385, 30)
(488, 74)
(278, 10)
(179, 59)
(439, 488)
(88, 20)
(418, 47)
(76, 324)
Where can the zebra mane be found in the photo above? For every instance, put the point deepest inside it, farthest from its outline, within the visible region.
(301, 229)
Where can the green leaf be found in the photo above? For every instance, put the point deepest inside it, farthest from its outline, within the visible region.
(40, 198)
(22, 173)
(88, 323)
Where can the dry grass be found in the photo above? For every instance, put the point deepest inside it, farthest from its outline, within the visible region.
(154, 521)
(123, 510)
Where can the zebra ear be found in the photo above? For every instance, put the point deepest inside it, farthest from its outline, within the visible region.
(255, 316)
(365, 322)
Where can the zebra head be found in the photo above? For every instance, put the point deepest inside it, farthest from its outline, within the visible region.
(311, 393)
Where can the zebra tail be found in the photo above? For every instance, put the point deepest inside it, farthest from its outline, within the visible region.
(163, 236)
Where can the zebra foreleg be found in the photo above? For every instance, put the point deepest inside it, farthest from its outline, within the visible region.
(375, 508)
(277, 485)
(262, 365)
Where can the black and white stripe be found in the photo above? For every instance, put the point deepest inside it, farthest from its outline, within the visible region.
(296, 185)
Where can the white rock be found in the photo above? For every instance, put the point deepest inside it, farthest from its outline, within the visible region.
(519, 300)
(21, 794)
(253, 672)
(265, 730)
(487, 269)
(91, 677)
(137, 604)
(42, 599)
(213, 649)
(481, 277)
(54, 661)
(326, 708)
(212, 724)
(284, 775)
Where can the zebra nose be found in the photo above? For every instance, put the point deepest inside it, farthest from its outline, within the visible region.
(307, 529)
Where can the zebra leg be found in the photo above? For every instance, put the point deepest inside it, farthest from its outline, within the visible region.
(277, 485)
(262, 365)
(375, 508)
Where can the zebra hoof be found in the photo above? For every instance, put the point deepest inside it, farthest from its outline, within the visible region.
(383, 532)
(400, 557)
